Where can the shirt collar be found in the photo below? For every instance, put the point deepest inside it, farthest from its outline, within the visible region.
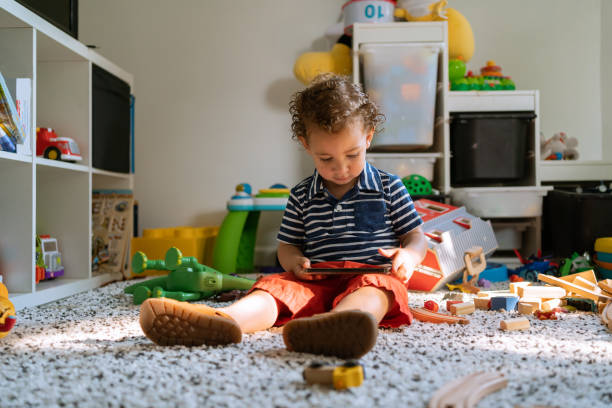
(369, 180)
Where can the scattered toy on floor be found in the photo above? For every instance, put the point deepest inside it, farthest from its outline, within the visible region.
(7, 311)
(349, 374)
(465, 392)
(187, 280)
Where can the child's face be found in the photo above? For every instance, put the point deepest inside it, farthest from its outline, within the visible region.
(339, 157)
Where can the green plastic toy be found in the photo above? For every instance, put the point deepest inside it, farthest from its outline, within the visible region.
(417, 185)
(187, 280)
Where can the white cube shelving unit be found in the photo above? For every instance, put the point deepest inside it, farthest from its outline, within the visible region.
(47, 196)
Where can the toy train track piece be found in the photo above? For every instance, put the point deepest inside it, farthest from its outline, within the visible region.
(465, 392)
(424, 315)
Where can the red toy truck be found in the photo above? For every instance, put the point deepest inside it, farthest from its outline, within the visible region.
(49, 145)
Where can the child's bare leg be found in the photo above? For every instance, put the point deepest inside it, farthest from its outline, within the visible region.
(169, 322)
(254, 312)
(348, 331)
(367, 299)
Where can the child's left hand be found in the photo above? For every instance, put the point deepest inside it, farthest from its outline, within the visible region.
(403, 262)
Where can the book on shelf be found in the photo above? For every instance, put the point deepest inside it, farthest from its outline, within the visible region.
(112, 218)
(21, 91)
(9, 119)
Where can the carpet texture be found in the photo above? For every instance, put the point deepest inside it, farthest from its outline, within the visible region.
(88, 351)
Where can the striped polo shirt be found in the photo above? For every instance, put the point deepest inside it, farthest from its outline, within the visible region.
(373, 214)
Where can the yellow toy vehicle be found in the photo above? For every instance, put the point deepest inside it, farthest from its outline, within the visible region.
(349, 374)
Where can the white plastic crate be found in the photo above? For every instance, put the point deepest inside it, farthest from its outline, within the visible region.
(404, 165)
(402, 79)
(501, 202)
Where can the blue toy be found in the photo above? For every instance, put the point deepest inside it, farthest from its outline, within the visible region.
(504, 302)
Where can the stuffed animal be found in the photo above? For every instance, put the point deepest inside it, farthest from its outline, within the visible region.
(460, 35)
(337, 61)
(558, 147)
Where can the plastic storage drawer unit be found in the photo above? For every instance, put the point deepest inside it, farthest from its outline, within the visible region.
(404, 165)
(501, 202)
(402, 80)
(489, 147)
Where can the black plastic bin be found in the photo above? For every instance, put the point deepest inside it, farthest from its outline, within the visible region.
(573, 221)
(489, 146)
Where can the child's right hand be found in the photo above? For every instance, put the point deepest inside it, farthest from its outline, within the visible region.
(299, 269)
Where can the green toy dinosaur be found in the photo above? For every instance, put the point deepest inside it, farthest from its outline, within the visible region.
(187, 280)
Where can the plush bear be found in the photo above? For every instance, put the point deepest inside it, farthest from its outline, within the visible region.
(558, 147)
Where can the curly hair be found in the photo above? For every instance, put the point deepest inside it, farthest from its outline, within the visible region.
(331, 102)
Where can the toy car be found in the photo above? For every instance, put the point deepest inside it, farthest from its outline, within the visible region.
(533, 266)
(49, 145)
(51, 257)
(349, 374)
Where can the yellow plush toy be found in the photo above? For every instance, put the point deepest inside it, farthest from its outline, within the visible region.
(338, 61)
(460, 35)
(7, 312)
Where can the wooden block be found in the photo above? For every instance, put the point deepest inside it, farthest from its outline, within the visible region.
(586, 284)
(504, 302)
(515, 285)
(519, 323)
(550, 304)
(588, 275)
(526, 308)
(606, 285)
(549, 292)
(482, 303)
(462, 308)
(571, 287)
(537, 302)
(483, 294)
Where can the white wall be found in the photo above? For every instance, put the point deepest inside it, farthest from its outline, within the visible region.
(606, 77)
(550, 45)
(213, 79)
(212, 82)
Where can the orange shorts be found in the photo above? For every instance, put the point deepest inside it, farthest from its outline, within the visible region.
(300, 298)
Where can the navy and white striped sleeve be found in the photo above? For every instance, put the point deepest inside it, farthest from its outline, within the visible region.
(402, 212)
(292, 227)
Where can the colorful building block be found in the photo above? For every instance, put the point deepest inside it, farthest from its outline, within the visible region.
(504, 302)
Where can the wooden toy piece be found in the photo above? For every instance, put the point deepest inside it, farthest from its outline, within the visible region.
(482, 303)
(588, 275)
(424, 315)
(462, 308)
(504, 302)
(473, 269)
(606, 286)
(515, 285)
(526, 308)
(580, 303)
(586, 284)
(606, 316)
(431, 305)
(571, 287)
(548, 292)
(550, 304)
(449, 303)
(519, 323)
(453, 296)
(465, 392)
(537, 302)
(349, 374)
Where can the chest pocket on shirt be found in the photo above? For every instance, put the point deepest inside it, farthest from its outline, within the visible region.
(370, 215)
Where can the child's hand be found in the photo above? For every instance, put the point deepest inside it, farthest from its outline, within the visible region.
(299, 269)
(403, 262)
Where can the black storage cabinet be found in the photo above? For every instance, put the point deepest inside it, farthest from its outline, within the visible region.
(573, 221)
(111, 122)
(489, 147)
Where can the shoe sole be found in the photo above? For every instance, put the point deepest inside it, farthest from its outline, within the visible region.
(168, 322)
(347, 334)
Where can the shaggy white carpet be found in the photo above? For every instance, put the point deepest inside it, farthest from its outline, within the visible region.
(89, 351)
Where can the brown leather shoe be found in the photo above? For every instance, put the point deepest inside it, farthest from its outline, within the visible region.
(168, 322)
(347, 334)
